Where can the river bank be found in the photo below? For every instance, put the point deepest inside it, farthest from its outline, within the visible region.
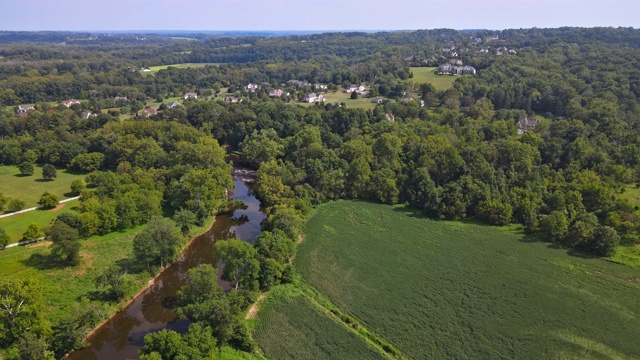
(201, 230)
(150, 310)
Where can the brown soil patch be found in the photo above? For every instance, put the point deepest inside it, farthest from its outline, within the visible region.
(255, 307)
(60, 206)
(40, 244)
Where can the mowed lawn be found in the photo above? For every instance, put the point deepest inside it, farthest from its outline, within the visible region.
(423, 75)
(16, 225)
(155, 69)
(438, 289)
(288, 326)
(337, 97)
(30, 188)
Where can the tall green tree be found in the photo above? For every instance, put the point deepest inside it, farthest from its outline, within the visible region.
(21, 310)
(49, 172)
(239, 263)
(158, 243)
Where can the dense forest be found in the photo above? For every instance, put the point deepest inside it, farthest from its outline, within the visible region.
(461, 155)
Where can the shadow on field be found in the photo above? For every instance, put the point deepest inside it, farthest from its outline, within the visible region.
(43, 262)
(22, 175)
(42, 180)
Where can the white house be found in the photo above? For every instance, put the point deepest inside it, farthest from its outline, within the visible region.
(311, 98)
(252, 87)
(191, 95)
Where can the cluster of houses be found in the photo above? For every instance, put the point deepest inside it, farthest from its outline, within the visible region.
(450, 69)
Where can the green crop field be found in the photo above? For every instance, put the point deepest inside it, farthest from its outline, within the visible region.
(30, 188)
(423, 75)
(155, 69)
(16, 225)
(288, 326)
(438, 289)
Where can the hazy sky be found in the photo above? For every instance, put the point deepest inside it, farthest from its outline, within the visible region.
(313, 14)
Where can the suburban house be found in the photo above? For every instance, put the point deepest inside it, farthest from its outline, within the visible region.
(377, 100)
(191, 95)
(512, 52)
(148, 112)
(68, 103)
(277, 93)
(298, 83)
(120, 98)
(311, 98)
(455, 62)
(408, 97)
(26, 109)
(252, 87)
(390, 117)
(448, 69)
(527, 123)
(320, 86)
(173, 105)
(357, 88)
(232, 100)
(88, 114)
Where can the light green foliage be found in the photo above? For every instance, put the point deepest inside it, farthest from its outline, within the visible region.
(239, 263)
(158, 243)
(48, 200)
(33, 232)
(87, 162)
(22, 310)
(471, 290)
(26, 168)
(198, 343)
(262, 146)
(77, 186)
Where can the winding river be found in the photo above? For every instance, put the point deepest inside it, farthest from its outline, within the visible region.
(122, 336)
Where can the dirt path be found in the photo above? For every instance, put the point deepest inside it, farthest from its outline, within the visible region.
(254, 309)
(58, 207)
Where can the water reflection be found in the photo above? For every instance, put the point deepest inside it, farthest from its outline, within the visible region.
(122, 336)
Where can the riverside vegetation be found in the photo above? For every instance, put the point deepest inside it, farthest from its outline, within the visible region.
(459, 157)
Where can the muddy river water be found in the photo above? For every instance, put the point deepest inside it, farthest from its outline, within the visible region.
(122, 336)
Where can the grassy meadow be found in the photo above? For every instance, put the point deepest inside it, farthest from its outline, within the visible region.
(438, 289)
(155, 69)
(423, 75)
(16, 225)
(30, 188)
(289, 326)
(64, 286)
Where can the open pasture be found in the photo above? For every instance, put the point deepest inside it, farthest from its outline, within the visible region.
(423, 75)
(439, 289)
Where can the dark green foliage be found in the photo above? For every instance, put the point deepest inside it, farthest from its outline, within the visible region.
(113, 281)
(604, 241)
(15, 205)
(66, 243)
(49, 172)
(70, 332)
(4, 238)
